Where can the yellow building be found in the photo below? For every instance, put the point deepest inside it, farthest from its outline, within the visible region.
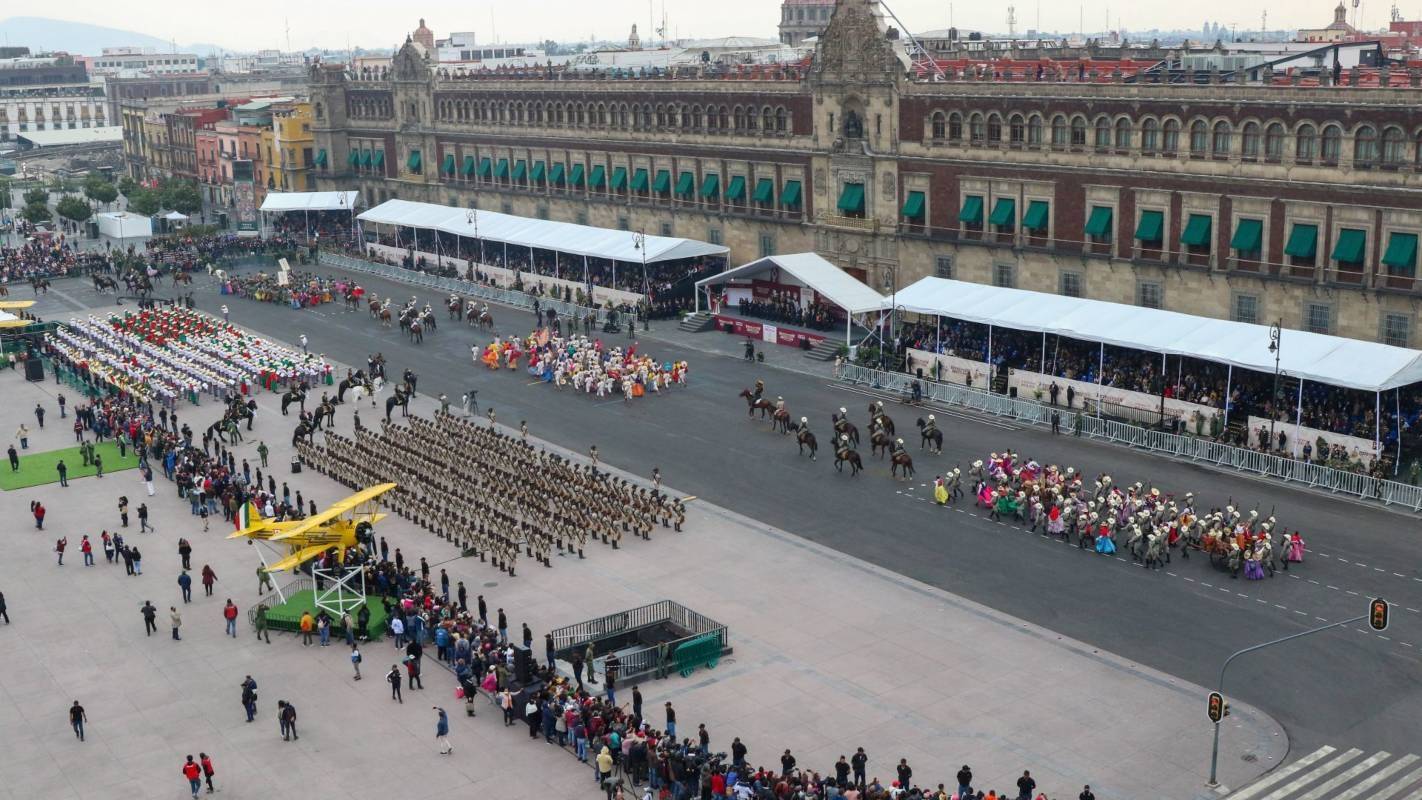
(293, 148)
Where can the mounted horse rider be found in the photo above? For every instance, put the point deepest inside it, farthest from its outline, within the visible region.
(758, 391)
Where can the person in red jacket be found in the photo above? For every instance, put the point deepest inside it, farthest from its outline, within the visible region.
(208, 578)
(207, 771)
(193, 773)
(88, 550)
(229, 612)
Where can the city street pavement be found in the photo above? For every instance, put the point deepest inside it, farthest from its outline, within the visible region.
(831, 654)
(1340, 688)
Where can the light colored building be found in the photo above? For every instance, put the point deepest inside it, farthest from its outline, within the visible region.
(47, 93)
(293, 148)
(1337, 31)
(117, 60)
(802, 19)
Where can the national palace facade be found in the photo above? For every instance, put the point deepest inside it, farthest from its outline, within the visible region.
(1252, 201)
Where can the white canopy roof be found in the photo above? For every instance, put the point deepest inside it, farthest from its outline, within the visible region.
(1333, 360)
(311, 201)
(813, 271)
(565, 237)
(175, 216)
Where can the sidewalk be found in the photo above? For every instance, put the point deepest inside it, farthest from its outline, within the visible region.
(830, 654)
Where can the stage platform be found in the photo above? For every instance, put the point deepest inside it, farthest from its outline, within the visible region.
(287, 616)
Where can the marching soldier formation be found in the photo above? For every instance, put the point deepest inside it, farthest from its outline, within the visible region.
(491, 493)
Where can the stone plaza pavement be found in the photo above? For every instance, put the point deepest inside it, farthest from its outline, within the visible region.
(830, 654)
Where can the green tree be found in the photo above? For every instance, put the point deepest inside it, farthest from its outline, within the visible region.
(127, 186)
(100, 190)
(144, 201)
(36, 213)
(73, 208)
(39, 194)
(181, 196)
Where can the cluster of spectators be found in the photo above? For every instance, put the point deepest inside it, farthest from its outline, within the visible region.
(192, 252)
(783, 308)
(48, 257)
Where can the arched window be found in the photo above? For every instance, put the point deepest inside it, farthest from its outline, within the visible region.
(1249, 140)
(767, 119)
(724, 117)
(693, 120)
(994, 128)
(1392, 151)
(1078, 131)
(1034, 131)
(1103, 133)
(740, 118)
(1223, 139)
(955, 127)
(1306, 144)
(1365, 147)
(1016, 130)
(1059, 131)
(1170, 137)
(1274, 142)
(976, 130)
(1417, 151)
(751, 119)
(711, 118)
(1199, 137)
(1332, 145)
(940, 126)
(781, 119)
(1150, 135)
(1123, 134)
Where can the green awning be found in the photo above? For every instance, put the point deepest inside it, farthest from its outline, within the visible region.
(414, 161)
(1401, 255)
(710, 186)
(1350, 245)
(851, 198)
(321, 158)
(598, 178)
(1036, 217)
(619, 178)
(353, 158)
(1003, 211)
(790, 194)
(972, 212)
(913, 206)
(365, 158)
(662, 183)
(520, 170)
(575, 176)
(1303, 241)
(1197, 231)
(764, 191)
(1151, 227)
(468, 168)
(378, 160)
(447, 167)
(486, 167)
(685, 184)
(501, 170)
(556, 174)
(1099, 223)
(1248, 236)
(539, 170)
(639, 180)
(736, 189)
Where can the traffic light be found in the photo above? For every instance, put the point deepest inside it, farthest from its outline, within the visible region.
(1217, 708)
(1377, 614)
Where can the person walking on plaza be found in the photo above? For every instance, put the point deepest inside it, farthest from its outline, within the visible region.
(137, 560)
(442, 732)
(143, 526)
(77, 718)
(261, 622)
(308, 623)
(38, 510)
(39, 415)
(286, 715)
(87, 549)
(262, 451)
(177, 620)
(229, 613)
(63, 473)
(59, 546)
(355, 660)
(264, 580)
(123, 511)
(14, 458)
(208, 579)
(3, 612)
(1025, 786)
(226, 315)
(249, 698)
(323, 628)
(62, 403)
(905, 773)
(150, 617)
(109, 548)
(185, 552)
(23, 434)
(193, 773)
(393, 678)
(185, 582)
(207, 771)
(99, 464)
(671, 722)
(965, 781)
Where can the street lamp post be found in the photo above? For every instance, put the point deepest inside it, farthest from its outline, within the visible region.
(639, 243)
(473, 219)
(1276, 332)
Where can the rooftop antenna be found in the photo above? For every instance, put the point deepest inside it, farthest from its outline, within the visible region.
(1012, 21)
(287, 21)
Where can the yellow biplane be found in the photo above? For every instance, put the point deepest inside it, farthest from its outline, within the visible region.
(8, 320)
(310, 537)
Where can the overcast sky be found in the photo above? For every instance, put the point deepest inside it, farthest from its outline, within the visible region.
(253, 24)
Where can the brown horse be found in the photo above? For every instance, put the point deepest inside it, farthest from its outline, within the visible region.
(486, 321)
(805, 439)
(843, 454)
(878, 419)
(780, 419)
(844, 427)
(753, 404)
(880, 443)
(935, 438)
(183, 278)
(374, 305)
(901, 459)
(384, 316)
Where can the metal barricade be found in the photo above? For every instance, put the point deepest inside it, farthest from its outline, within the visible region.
(1193, 448)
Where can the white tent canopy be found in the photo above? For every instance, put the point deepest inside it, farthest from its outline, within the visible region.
(812, 270)
(175, 216)
(564, 237)
(310, 201)
(1333, 360)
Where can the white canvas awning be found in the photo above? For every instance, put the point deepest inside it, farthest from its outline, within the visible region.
(175, 216)
(812, 270)
(310, 201)
(1332, 360)
(564, 237)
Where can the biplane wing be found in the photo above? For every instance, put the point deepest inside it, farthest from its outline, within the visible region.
(334, 511)
(11, 305)
(299, 557)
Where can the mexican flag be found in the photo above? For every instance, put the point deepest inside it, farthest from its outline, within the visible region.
(247, 516)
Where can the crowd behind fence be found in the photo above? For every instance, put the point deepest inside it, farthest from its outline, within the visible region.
(1192, 448)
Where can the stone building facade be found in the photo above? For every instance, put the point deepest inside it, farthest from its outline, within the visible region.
(1246, 201)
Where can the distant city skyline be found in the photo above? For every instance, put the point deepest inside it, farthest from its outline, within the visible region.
(335, 25)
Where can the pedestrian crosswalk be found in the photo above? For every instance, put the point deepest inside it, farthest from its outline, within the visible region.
(1326, 774)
